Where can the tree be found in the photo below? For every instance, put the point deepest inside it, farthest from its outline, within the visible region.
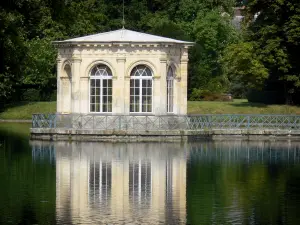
(275, 33)
(241, 65)
(213, 32)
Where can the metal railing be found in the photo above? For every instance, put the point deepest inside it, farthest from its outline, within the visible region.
(143, 122)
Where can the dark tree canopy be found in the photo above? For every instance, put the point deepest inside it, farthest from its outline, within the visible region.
(27, 59)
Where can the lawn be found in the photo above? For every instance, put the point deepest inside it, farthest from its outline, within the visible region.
(239, 106)
(24, 110)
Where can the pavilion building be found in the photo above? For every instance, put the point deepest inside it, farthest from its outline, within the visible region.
(122, 72)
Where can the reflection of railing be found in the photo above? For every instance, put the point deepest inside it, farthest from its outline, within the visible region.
(190, 122)
(42, 151)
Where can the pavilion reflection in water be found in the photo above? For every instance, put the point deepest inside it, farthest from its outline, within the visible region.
(141, 182)
(127, 183)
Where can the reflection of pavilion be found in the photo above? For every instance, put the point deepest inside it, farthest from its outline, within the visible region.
(120, 183)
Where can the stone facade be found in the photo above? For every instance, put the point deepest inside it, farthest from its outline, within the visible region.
(76, 60)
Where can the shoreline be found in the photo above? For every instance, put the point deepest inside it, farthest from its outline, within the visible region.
(15, 121)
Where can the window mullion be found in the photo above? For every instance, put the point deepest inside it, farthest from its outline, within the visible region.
(140, 95)
(101, 94)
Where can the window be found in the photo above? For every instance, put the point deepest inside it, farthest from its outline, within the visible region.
(141, 89)
(101, 89)
(170, 90)
(100, 177)
(140, 183)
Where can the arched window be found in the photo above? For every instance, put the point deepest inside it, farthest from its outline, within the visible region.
(101, 89)
(170, 90)
(141, 89)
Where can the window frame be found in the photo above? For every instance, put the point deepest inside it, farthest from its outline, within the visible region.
(141, 78)
(101, 78)
(170, 95)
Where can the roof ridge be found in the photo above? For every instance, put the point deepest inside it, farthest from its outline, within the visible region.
(125, 35)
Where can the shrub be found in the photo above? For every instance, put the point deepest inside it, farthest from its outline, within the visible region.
(206, 95)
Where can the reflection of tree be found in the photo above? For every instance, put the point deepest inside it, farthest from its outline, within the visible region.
(27, 187)
(230, 190)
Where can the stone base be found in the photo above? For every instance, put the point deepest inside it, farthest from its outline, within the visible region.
(160, 135)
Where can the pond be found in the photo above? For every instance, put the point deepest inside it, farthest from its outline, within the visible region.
(205, 182)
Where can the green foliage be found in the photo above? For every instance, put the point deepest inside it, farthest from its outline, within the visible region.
(39, 68)
(276, 37)
(241, 64)
(224, 59)
(213, 33)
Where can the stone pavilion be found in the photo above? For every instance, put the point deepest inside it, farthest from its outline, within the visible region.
(122, 72)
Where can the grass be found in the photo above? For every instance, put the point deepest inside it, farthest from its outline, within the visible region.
(24, 110)
(239, 106)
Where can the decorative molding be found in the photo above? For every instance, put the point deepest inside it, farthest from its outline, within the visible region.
(76, 60)
(163, 60)
(64, 78)
(156, 77)
(114, 77)
(184, 61)
(121, 59)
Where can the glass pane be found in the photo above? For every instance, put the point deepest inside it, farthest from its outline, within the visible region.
(109, 99)
(137, 91)
(104, 91)
(149, 98)
(104, 108)
(97, 99)
(109, 91)
(109, 82)
(137, 100)
(104, 99)
(149, 109)
(92, 108)
(92, 82)
(131, 108)
(92, 91)
(136, 83)
(104, 83)
(92, 99)
(143, 91)
(97, 107)
(109, 108)
(137, 108)
(132, 83)
(97, 91)
(149, 91)
(97, 83)
(131, 91)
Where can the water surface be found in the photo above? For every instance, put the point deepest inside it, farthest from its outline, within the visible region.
(221, 182)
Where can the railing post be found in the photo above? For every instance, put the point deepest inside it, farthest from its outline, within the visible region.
(55, 117)
(248, 121)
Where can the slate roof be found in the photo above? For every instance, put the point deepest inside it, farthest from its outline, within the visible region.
(123, 36)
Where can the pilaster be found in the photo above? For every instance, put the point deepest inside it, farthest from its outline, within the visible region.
(120, 88)
(182, 85)
(84, 94)
(76, 61)
(163, 86)
(59, 86)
